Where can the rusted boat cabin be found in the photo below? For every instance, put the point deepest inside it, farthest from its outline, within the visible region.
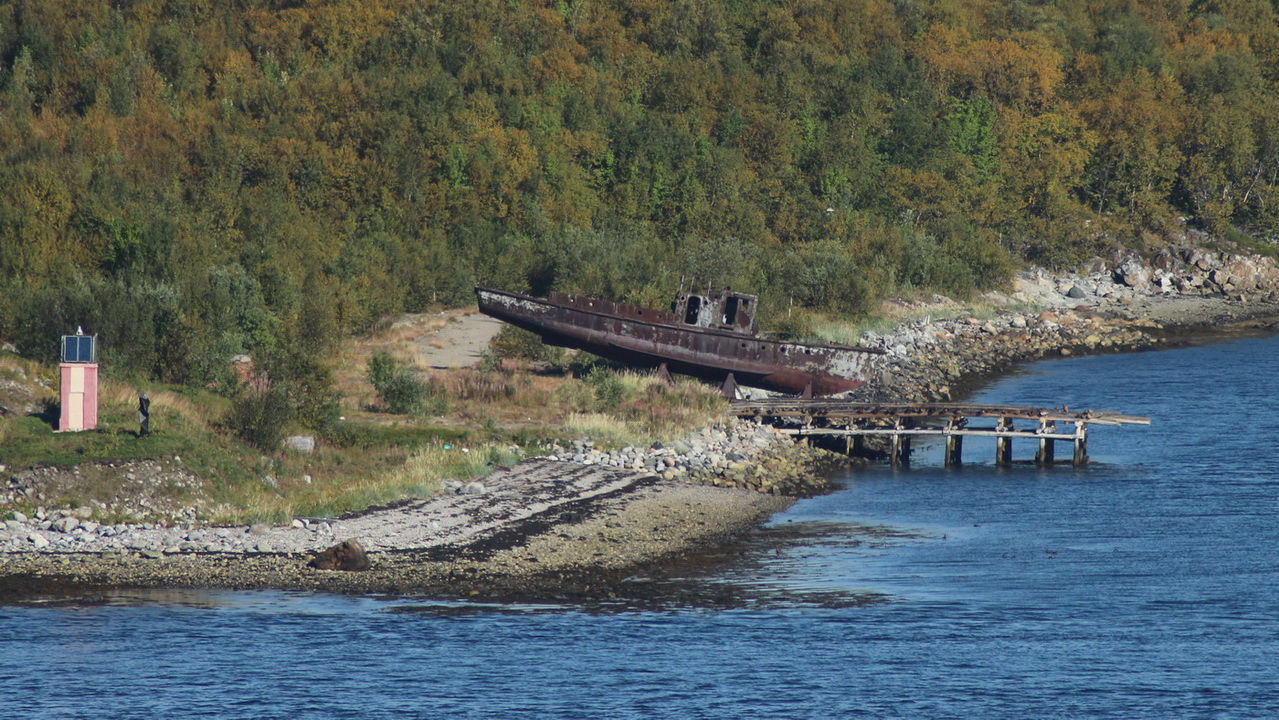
(728, 310)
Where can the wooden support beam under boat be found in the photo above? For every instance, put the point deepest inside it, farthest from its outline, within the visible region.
(729, 388)
(664, 374)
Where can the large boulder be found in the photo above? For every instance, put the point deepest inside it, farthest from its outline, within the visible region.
(304, 444)
(1093, 266)
(347, 555)
(1169, 259)
(1133, 273)
(1242, 272)
(1203, 260)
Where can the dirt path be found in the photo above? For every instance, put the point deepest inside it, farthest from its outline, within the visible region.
(460, 343)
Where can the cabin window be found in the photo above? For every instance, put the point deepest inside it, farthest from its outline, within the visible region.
(693, 309)
(730, 311)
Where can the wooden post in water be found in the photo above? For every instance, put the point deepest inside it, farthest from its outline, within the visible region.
(1081, 444)
(954, 445)
(954, 450)
(901, 443)
(1047, 446)
(1004, 444)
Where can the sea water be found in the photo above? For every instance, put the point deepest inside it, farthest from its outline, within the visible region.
(1145, 585)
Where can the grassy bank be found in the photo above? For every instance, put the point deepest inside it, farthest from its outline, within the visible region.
(473, 420)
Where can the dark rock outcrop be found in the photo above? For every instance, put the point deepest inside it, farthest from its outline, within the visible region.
(347, 555)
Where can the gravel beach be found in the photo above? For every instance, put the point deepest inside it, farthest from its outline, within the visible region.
(575, 553)
(546, 528)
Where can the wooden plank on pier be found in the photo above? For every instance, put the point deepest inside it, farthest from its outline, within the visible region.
(825, 408)
(900, 422)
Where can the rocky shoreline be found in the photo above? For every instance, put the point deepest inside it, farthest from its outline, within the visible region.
(575, 524)
(584, 551)
(567, 526)
(736, 455)
(1118, 304)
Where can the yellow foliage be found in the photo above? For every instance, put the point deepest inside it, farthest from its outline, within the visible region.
(1020, 70)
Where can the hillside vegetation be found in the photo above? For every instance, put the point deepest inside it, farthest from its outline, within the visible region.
(196, 179)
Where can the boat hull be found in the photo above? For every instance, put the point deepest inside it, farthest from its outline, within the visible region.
(641, 336)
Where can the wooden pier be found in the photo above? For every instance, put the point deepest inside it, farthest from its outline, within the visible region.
(902, 423)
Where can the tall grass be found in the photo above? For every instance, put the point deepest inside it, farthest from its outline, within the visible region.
(202, 410)
(24, 382)
(488, 386)
(638, 408)
(422, 475)
(606, 430)
(18, 366)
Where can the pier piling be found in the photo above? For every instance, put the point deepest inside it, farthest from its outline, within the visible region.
(1081, 446)
(954, 449)
(1047, 445)
(1003, 443)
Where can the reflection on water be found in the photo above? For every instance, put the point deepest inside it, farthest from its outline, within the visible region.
(231, 601)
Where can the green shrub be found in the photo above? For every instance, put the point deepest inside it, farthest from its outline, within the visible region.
(822, 275)
(490, 362)
(404, 393)
(795, 325)
(401, 389)
(609, 389)
(581, 364)
(381, 369)
(519, 344)
(261, 418)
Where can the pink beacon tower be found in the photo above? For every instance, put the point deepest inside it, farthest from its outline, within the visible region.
(79, 382)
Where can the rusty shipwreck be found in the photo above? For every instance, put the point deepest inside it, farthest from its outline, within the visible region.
(713, 336)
